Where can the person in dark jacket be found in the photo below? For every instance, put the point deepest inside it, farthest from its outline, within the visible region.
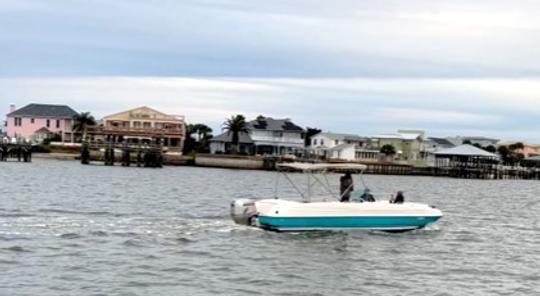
(399, 198)
(346, 186)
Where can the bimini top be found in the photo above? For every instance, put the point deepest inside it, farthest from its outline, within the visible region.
(321, 167)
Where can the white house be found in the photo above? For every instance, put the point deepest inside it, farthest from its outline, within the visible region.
(337, 146)
(265, 135)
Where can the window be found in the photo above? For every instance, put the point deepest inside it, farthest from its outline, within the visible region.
(314, 141)
(57, 123)
(18, 121)
(32, 120)
(48, 123)
(336, 142)
(322, 141)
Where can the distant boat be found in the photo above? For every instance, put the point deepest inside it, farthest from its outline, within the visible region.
(283, 215)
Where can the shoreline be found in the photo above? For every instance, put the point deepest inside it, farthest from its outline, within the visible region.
(237, 162)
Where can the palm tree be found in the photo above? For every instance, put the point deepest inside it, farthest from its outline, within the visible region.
(203, 131)
(236, 124)
(81, 122)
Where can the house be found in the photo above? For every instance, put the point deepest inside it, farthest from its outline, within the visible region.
(529, 150)
(408, 144)
(439, 143)
(482, 141)
(337, 146)
(265, 135)
(142, 125)
(26, 121)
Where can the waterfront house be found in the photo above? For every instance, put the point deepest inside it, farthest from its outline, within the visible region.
(482, 141)
(30, 121)
(466, 161)
(265, 136)
(142, 125)
(340, 146)
(408, 144)
(529, 150)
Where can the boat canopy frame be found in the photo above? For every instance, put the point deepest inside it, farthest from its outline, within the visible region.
(313, 170)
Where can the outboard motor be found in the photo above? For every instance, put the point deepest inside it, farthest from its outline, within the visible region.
(243, 211)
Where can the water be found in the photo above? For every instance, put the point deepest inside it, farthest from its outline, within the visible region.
(67, 229)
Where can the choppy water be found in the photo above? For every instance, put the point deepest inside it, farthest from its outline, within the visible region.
(67, 229)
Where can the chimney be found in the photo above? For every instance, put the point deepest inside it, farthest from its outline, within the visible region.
(12, 108)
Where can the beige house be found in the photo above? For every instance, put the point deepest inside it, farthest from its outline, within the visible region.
(143, 125)
(409, 144)
(529, 150)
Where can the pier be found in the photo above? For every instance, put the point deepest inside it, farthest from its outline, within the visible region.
(21, 152)
(109, 153)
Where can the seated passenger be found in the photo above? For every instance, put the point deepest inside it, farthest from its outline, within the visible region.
(399, 198)
(367, 196)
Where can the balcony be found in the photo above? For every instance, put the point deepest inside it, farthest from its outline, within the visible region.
(138, 131)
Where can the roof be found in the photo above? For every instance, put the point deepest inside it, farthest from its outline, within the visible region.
(227, 138)
(321, 167)
(42, 130)
(143, 112)
(337, 136)
(405, 136)
(533, 158)
(441, 141)
(271, 124)
(44, 110)
(465, 150)
(479, 138)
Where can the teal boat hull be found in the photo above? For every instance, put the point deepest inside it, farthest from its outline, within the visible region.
(389, 223)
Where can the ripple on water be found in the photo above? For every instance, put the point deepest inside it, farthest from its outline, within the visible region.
(17, 249)
(70, 236)
(174, 224)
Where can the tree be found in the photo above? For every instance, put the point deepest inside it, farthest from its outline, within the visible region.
(516, 146)
(203, 132)
(81, 122)
(491, 149)
(235, 125)
(467, 142)
(189, 143)
(388, 150)
(310, 132)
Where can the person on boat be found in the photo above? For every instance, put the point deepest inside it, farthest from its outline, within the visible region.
(367, 196)
(346, 187)
(399, 198)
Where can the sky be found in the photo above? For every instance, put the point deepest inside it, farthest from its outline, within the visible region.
(365, 67)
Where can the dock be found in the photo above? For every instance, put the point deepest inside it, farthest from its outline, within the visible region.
(109, 153)
(21, 152)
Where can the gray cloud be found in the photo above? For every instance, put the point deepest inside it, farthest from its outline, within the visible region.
(271, 39)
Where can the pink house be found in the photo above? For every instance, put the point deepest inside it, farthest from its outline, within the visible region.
(31, 121)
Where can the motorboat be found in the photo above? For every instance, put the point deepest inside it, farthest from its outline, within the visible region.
(329, 213)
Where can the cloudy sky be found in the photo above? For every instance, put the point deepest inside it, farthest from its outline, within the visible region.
(450, 67)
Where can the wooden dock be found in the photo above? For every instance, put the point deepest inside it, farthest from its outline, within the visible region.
(139, 155)
(21, 152)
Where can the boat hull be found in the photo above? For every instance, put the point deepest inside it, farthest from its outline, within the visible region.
(282, 215)
(388, 223)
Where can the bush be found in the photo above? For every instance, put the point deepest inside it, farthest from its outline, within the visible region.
(42, 148)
